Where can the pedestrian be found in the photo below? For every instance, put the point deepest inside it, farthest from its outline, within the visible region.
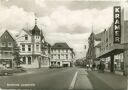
(102, 66)
(87, 66)
(93, 66)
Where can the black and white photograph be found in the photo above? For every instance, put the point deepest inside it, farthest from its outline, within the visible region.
(63, 45)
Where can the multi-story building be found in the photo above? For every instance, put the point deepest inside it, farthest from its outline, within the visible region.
(61, 55)
(7, 46)
(112, 52)
(30, 43)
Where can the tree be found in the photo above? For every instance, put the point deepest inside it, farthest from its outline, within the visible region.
(16, 55)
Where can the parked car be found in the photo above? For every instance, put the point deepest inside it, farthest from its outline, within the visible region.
(6, 71)
(19, 69)
(55, 66)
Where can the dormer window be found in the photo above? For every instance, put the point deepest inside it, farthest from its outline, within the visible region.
(26, 37)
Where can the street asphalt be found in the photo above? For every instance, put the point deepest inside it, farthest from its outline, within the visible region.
(54, 79)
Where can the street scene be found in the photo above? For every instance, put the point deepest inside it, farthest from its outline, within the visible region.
(63, 45)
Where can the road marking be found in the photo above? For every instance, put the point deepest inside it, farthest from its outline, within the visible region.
(73, 81)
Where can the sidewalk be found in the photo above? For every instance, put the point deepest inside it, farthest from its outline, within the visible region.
(116, 82)
(82, 81)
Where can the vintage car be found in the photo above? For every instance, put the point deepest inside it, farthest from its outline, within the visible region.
(19, 69)
(6, 71)
(54, 66)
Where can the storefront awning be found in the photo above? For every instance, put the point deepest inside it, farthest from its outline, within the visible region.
(113, 50)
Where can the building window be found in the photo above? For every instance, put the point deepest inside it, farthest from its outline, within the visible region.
(37, 47)
(9, 44)
(29, 60)
(58, 56)
(66, 56)
(24, 60)
(26, 37)
(23, 47)
(29, 47)
(3, 44)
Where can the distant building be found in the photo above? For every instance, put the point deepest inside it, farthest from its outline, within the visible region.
(90, 56)
(61, 55)
(7, 46)
(30, 43)
(46, 47)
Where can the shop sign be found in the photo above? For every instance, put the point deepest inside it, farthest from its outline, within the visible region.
(117, 24)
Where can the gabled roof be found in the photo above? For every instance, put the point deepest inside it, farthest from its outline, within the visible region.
(6, 31)
(61, 46)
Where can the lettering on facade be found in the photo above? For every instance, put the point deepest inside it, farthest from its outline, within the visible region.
(117, 24)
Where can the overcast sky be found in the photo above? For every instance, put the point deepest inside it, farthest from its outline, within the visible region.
(61, 20)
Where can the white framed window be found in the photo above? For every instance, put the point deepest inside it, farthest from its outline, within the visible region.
(29, 47)
(23, 47)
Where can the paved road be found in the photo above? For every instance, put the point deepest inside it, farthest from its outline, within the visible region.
(51, 79)
(54, 79)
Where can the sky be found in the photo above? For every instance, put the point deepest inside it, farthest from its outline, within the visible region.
(68, 21)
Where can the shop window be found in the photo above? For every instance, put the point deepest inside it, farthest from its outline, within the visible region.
(29, 60)
(24, 60)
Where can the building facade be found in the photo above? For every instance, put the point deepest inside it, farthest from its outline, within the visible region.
(108, 50)
(61, 55)
(7, 46)
(30, 43)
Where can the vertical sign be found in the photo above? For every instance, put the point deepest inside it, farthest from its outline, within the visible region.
(117, 24)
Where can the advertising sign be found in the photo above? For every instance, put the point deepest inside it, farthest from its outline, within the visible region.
(117, 25)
